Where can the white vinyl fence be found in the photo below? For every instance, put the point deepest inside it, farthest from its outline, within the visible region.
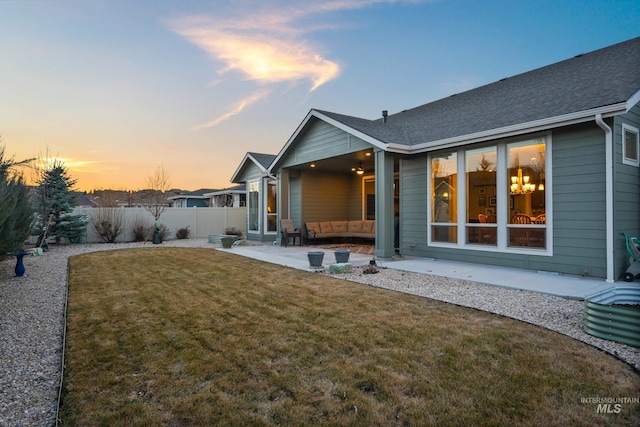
(202, 222)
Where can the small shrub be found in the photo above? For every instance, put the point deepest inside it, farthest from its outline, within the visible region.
(140, 227)
(183, 233)
(108, 223)
(232, 231)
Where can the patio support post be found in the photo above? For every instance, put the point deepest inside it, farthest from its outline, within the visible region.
(384, 204)
(282, 188)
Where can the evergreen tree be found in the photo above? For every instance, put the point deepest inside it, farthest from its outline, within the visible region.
(16, 211)
(55, 203)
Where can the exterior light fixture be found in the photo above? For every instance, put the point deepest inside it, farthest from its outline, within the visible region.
(360, 171)
(312, 165)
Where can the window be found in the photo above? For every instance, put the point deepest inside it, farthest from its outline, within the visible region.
(272, 207)
(481, 195)
(369, 195)
(502, 201)
(630, 145)
(254, 206)
(526, 194)
(444, 176)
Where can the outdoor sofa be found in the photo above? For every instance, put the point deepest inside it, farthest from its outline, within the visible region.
(363, 229)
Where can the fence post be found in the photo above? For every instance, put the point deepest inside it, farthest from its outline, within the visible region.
(195, 221)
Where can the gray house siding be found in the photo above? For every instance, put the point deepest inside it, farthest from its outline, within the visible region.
(579, 201)
(627, 192)
(413, 206)
(322, 141)
(579, 210)
(295, 195)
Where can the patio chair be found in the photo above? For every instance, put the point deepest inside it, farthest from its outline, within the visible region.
(289, 231)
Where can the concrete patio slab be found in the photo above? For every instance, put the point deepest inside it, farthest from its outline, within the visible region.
(573, 287)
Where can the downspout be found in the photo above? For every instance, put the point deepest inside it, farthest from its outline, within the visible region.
(608, 136)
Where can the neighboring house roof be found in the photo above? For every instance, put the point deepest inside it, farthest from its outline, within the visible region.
(605, 81)
(197, 194)
(82, 199)
(235, 189)
(263, 161)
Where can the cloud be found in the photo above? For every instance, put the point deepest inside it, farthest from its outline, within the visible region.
(264, 55)
(237, 109)
(267, 43)
(73, 165)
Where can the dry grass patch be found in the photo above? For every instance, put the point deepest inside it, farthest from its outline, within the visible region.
(169, 336)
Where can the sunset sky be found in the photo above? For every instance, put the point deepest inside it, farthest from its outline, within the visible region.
(117, 88)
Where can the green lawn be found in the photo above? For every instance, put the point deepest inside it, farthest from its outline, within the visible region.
(197, 337)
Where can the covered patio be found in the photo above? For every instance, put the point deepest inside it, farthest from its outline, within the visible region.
(327, 171)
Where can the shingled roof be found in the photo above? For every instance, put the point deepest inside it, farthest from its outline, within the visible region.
(264, 159)
(599, 82)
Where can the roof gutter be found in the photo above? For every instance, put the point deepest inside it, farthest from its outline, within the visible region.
(608, 135)
(507, 131)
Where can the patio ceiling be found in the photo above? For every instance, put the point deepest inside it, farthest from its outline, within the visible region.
(341, 164)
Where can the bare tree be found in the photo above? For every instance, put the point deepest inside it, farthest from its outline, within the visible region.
(157, 192)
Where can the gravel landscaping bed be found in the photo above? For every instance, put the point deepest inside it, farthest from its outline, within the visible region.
(32, 321)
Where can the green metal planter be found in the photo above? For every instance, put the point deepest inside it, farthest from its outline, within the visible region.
(614, 315)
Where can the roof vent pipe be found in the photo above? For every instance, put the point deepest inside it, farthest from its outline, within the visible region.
(385, 114)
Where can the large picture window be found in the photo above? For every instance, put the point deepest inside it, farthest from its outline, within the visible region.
(501, 204)
(526, 192)
(481, 197)
(272, 207)
(444, 177)
(254, 205)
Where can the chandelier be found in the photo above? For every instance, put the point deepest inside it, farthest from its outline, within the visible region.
(520, 184)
